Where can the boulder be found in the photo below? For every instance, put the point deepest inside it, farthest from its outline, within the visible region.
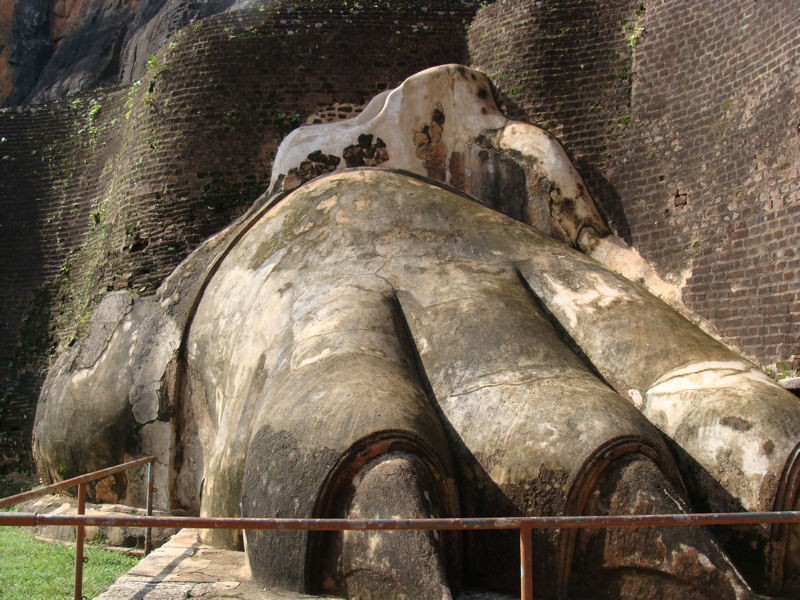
(376, 341)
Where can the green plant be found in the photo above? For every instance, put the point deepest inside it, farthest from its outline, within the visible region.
(780, 370)
(156, 68)
(633, 33)
(243, 34)
(94, 110)
(624, 75)
(633, 30)
(286, 122)
(131, 98)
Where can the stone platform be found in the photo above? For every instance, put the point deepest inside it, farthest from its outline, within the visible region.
(184, 567)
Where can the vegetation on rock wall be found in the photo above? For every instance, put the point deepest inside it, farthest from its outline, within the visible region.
(120, 184)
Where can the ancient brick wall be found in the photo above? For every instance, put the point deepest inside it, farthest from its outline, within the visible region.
(684, 117)
(112, 189)
(49, 180)
(719, 128)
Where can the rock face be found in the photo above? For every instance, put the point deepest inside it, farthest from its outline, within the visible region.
(370, 342)
(60, 47)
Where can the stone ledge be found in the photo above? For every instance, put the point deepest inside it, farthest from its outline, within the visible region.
(186, 568)
(125, 538)
(792, 384)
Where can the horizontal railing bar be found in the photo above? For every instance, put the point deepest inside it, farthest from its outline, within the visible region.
(68, 483)
(560, 522)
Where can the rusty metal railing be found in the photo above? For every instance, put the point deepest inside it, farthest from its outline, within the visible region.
(525, 525)
(81, 483)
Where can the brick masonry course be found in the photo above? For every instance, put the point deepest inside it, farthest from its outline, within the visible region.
(685, 120)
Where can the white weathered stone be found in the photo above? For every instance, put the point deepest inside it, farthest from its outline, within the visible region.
(430, 124)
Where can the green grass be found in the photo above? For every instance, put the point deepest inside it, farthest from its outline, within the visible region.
(33, 570)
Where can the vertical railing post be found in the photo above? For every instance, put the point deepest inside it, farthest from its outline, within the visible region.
(80, 534)
(526, 562)
(148, 532)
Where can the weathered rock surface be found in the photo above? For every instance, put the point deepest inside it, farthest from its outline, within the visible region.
(342, 291)
(118, 537)
(303, 357)
(374, 343)
(53, 48)
(114, 397)
(443, 123)
(735, 430)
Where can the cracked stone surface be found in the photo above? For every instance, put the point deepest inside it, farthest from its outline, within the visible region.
(375, 341)
(102, 398)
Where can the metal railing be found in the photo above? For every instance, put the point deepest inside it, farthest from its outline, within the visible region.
(525, 525)
(81, 483)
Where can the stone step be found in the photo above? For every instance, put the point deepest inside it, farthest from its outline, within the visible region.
(184, 567)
